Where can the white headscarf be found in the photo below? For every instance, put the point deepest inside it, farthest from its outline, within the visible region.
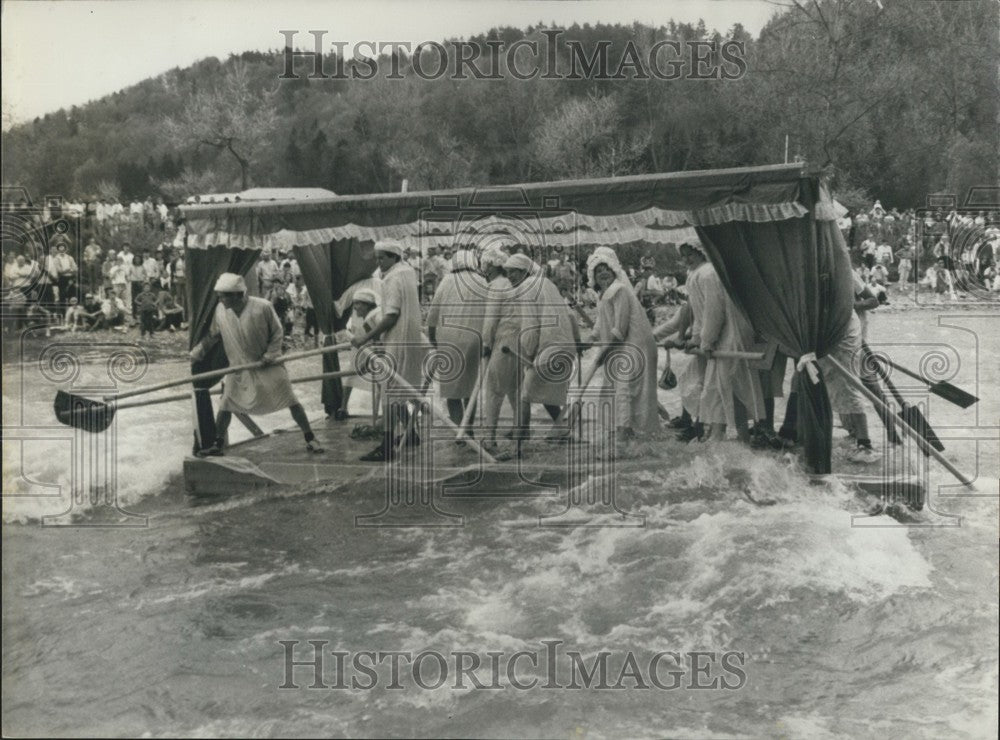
(463, 259)
(492, 257)
(605, 256)
(366, 295)
(390, 247)
(230, 282)
(519, 262)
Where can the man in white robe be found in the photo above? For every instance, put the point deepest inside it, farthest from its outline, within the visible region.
(731, 389)
(548, 340)
(501, 327)
(399, 332)
(250, 332)
(454, 326)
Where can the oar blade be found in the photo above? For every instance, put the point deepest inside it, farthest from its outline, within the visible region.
(912, 416)
(83, 413)
(953, 394)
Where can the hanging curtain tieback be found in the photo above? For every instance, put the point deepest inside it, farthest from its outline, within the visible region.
(808, 363)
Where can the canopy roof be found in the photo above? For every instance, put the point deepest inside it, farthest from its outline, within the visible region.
(636, 206)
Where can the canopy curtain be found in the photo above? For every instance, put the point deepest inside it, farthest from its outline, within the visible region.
(327, 270)
(792, 279)
(203, 267)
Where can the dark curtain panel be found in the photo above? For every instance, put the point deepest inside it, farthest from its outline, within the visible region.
(203, 267)
(327, 270)
(792, 278)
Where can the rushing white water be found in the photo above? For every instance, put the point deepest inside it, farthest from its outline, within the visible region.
(174, 629)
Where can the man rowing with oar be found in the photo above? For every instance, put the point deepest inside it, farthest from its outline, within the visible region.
(250, 332)
(399, 330)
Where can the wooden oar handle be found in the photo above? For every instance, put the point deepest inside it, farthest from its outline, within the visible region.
(217, 391)
(443, 418)
(225, 371)
(725, 354)
(470, 408)
(924, 446)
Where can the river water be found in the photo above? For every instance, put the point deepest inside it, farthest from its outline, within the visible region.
(842, 628)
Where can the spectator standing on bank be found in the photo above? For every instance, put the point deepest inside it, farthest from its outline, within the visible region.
(92, 254)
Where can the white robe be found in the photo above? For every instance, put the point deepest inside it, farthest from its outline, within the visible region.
(456, 313)
(501, 327)
(691, 380)
(251, 336)
(621, 318)
(403, 342)
(725, 327)
(546, 340)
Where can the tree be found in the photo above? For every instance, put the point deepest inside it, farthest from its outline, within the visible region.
(232, 117)
(586, 139)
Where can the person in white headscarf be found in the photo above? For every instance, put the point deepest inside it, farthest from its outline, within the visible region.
(455, 325)
(365, 316)
(501, 326)
(622, 326)
(250, 331)
(399, 332)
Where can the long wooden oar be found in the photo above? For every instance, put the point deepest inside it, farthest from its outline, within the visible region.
(218, 391)
(443, 418)
(470, 408)
(95, 416)
(729, 354)
(911, 414)
(903, 425)
(945, 390)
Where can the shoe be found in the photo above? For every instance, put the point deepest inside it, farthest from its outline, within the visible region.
(687, 435)
(679, 422)
(314, 448)
(381, 453)
(341, 415)
(214, 451)
(412, 440)
(864, 455)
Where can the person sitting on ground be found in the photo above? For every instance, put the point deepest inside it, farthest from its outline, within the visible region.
(171, 313)
(112, 312)
(75, 316)
(92, 309)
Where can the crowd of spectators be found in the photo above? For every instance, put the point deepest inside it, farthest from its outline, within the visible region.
(918, 251)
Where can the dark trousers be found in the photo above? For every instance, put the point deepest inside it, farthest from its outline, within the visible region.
(147, 322)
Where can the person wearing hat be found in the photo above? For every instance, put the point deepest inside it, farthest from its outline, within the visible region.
(549, 335)
(454, 326)
(62, 270)
(250, 331)
(399, 332)
(622, 326)
(365, 316)
(267, 272)
(501, 326)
